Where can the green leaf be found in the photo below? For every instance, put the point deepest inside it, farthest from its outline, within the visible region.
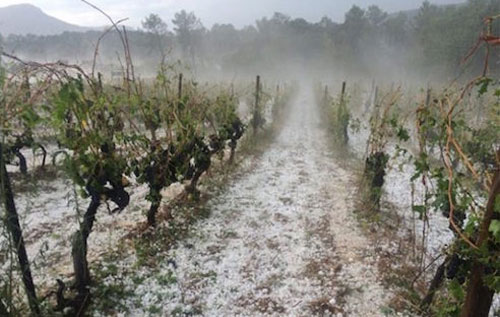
(493, 282)
(483, 85)
(403, 134)
(420, 209)
(495, 228)
(456, 290)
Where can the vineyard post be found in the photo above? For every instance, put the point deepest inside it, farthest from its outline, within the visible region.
(373, 102)
(26, 87)
(179, 93)
(342, 93)
(326, 93)
(344, 115)
(428, 97)
(12, 221)
(256, 114)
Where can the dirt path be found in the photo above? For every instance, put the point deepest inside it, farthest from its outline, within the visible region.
(280, 241)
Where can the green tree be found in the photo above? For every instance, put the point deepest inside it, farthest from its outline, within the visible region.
(188, 28)
(354, 27)
(155, 26)
(375, 15)
(395, 29)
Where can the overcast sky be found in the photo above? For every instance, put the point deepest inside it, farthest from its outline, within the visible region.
(237, 12)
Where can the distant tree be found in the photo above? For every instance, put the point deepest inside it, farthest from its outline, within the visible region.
(355, 19)
(326, 23)
(435, 40)
(354, 28)
(188, 30)
(223, 39)
(395, 29)
(424, 19)
(375, 15)
(269, 28)
(154, 25)
(300, 26)
(373, 32)
(280, 18)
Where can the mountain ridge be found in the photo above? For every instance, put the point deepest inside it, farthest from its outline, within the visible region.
(23, 19)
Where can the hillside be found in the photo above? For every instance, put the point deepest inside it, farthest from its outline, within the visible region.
(25, 19)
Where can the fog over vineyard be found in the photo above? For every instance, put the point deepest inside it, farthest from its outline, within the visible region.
(239, 13)
(250, 158)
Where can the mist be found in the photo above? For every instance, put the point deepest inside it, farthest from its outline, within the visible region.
(323, 40)
(235, 158)
(240, 13)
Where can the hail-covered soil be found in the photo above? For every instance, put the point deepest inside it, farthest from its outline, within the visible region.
(280, 241)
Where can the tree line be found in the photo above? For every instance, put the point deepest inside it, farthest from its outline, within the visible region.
(429, 42)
